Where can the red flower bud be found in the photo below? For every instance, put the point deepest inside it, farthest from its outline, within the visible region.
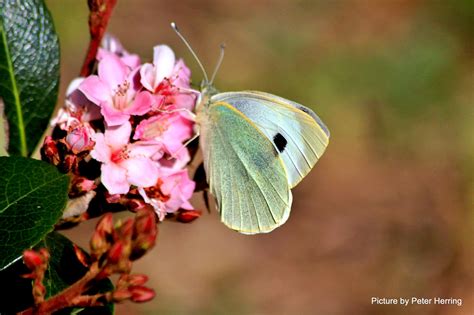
(81, 256)
(70, 163)
(137, 279)
(50, 152)
(80, 186)
(32, 259)
(105, 225)
(99, 244)
(141, 293)
(116, 253)
(121, 295)
(186, 216)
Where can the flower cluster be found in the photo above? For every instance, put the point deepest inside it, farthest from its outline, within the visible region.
(130, 121)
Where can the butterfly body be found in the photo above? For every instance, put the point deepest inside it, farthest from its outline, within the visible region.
(256, 147)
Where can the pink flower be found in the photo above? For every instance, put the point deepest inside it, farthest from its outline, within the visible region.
(169, 129)
(168, 80)
(111, 45)
(115, 91)
(174, 191)
(125, 163)
(163, 64)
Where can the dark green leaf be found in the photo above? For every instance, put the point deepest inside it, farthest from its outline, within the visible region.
(29, 70)
(33, 195)
(64, 269)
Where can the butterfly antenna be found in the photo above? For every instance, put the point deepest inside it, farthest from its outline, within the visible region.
(219, 62)
(175, 28)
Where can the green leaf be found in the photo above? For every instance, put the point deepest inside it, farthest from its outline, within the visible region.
(64, 269)
(33, 195)
(29, 71)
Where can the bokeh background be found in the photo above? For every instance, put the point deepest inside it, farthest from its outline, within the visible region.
(387, 212)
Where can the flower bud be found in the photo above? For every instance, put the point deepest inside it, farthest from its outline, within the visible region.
(80, 186)
(50, 152)
(121, 295)
(187, 216)
(32, 259)
(81, 256)
(80, 139)
(99, 245)
(105, 224)
(141, 293)
(70, 163)
(137, 279)
(115, 253)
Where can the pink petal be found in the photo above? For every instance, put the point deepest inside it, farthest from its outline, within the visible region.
(163, 59)
(114, 178)
(131, 60)
(101, 151)
(149, 149)
(148, 77)
(112, 116)
(112, 71)
(118, 136)
(94, 89)
(142, 104)
(141, 171)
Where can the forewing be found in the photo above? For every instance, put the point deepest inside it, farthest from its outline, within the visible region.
(296, 132)
(244, 171)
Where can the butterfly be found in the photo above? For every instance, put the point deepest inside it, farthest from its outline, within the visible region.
(256, 147)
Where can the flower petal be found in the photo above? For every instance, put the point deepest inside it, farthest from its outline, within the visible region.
(112, 116)
(112, 71)
(94, 89)
(114, 178)
(101, 151)
(163, 59)
(142, 104)
(141, 171)
(118, 136)
(147, 76)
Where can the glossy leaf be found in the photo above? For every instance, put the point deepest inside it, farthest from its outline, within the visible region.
(29, 71)
(33, 195)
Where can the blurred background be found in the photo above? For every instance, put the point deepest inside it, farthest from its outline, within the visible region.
(388, 210)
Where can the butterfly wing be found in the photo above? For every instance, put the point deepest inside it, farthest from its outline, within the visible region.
(296, 132)
(244, 171)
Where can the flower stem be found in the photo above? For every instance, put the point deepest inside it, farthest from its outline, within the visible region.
(100, 12)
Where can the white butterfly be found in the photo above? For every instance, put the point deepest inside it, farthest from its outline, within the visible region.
(256, 147)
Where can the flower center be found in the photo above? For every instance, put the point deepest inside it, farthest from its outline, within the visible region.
(119, 155)
(120, 99)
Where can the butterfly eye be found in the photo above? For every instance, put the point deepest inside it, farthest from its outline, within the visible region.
(280, 142)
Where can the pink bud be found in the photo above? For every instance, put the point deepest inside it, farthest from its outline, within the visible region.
(141, 293)
(80, 139)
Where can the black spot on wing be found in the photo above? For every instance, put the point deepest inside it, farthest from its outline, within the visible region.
(280, 142)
